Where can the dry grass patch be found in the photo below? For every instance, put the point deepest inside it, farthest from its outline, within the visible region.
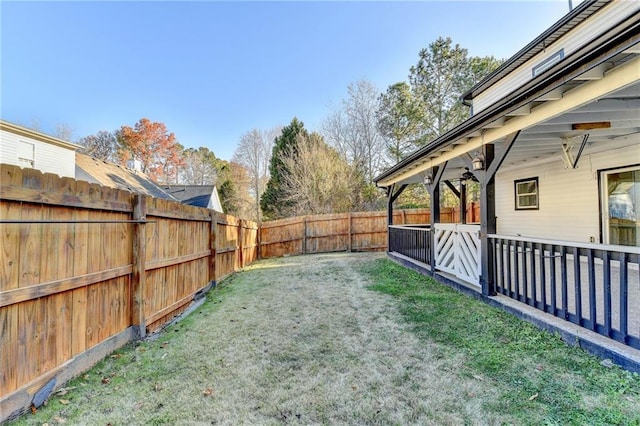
(298, 340)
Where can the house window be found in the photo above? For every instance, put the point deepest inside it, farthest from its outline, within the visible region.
(621, 206)
(526, 191)
(26, 154)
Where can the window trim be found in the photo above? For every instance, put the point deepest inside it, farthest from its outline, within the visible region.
(21, 159)
(603, 208)
(516, 195)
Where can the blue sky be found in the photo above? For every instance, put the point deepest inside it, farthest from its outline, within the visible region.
(212, 71)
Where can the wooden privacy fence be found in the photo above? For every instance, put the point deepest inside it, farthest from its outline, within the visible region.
(364, 231)
(86, 268)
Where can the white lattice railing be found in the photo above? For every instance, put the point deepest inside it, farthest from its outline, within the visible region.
(457, 250)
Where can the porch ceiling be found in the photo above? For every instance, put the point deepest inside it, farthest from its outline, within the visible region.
(604, 103)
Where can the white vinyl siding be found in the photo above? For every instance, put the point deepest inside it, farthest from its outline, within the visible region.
(48, 158)
(608, 17)
(568, 198)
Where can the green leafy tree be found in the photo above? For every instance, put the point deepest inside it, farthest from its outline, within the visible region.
(272, 202)
(410, 115)
(400, 118)
(438, 80)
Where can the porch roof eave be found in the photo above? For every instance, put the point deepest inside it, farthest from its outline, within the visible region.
(495, 122)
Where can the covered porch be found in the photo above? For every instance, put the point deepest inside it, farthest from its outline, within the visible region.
(557, 161)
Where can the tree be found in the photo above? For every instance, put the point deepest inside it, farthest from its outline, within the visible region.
(200, 167)
(253, 153)
(438, 81)
(103, 145)
(319, 179)
(63, 131)
(157, 150)
(479, 68)
(399, 118)
(353, 130)
(272, 202)
(440, 78)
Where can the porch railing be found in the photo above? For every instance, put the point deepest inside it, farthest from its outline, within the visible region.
(594, 286)
(411, 241)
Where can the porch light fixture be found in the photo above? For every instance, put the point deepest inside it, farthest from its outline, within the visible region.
(467, 177)
(428, 180)
(477, 163)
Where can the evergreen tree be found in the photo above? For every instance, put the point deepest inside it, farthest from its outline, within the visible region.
(273, 202)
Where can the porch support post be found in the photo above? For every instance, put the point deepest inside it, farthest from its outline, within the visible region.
(463, 204)
(434, 196)
(391, 198)
(488, 209)
(487, 224)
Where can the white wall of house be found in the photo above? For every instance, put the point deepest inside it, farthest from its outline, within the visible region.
(42, 153)
(568, 198)
(608, 17)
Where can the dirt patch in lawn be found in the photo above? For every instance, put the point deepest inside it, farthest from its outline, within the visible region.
(292, 340)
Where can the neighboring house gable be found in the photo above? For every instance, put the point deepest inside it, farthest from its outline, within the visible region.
(23, 147)
(197, 195)
(114, 176)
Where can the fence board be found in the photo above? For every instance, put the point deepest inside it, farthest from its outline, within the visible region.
(79, 295)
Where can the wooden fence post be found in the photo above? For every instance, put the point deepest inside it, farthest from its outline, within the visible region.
(350, 246)
(138, 280)
(304, 235)
(212, 246)
(240, 242)
(259, 240)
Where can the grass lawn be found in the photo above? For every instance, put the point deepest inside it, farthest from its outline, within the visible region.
(345, 339)
(540, 380)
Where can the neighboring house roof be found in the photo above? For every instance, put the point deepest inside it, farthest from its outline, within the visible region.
(33, 134)
(112, 175)
(196, 195)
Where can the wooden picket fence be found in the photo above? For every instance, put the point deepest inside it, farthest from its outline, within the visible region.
(86, 269)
